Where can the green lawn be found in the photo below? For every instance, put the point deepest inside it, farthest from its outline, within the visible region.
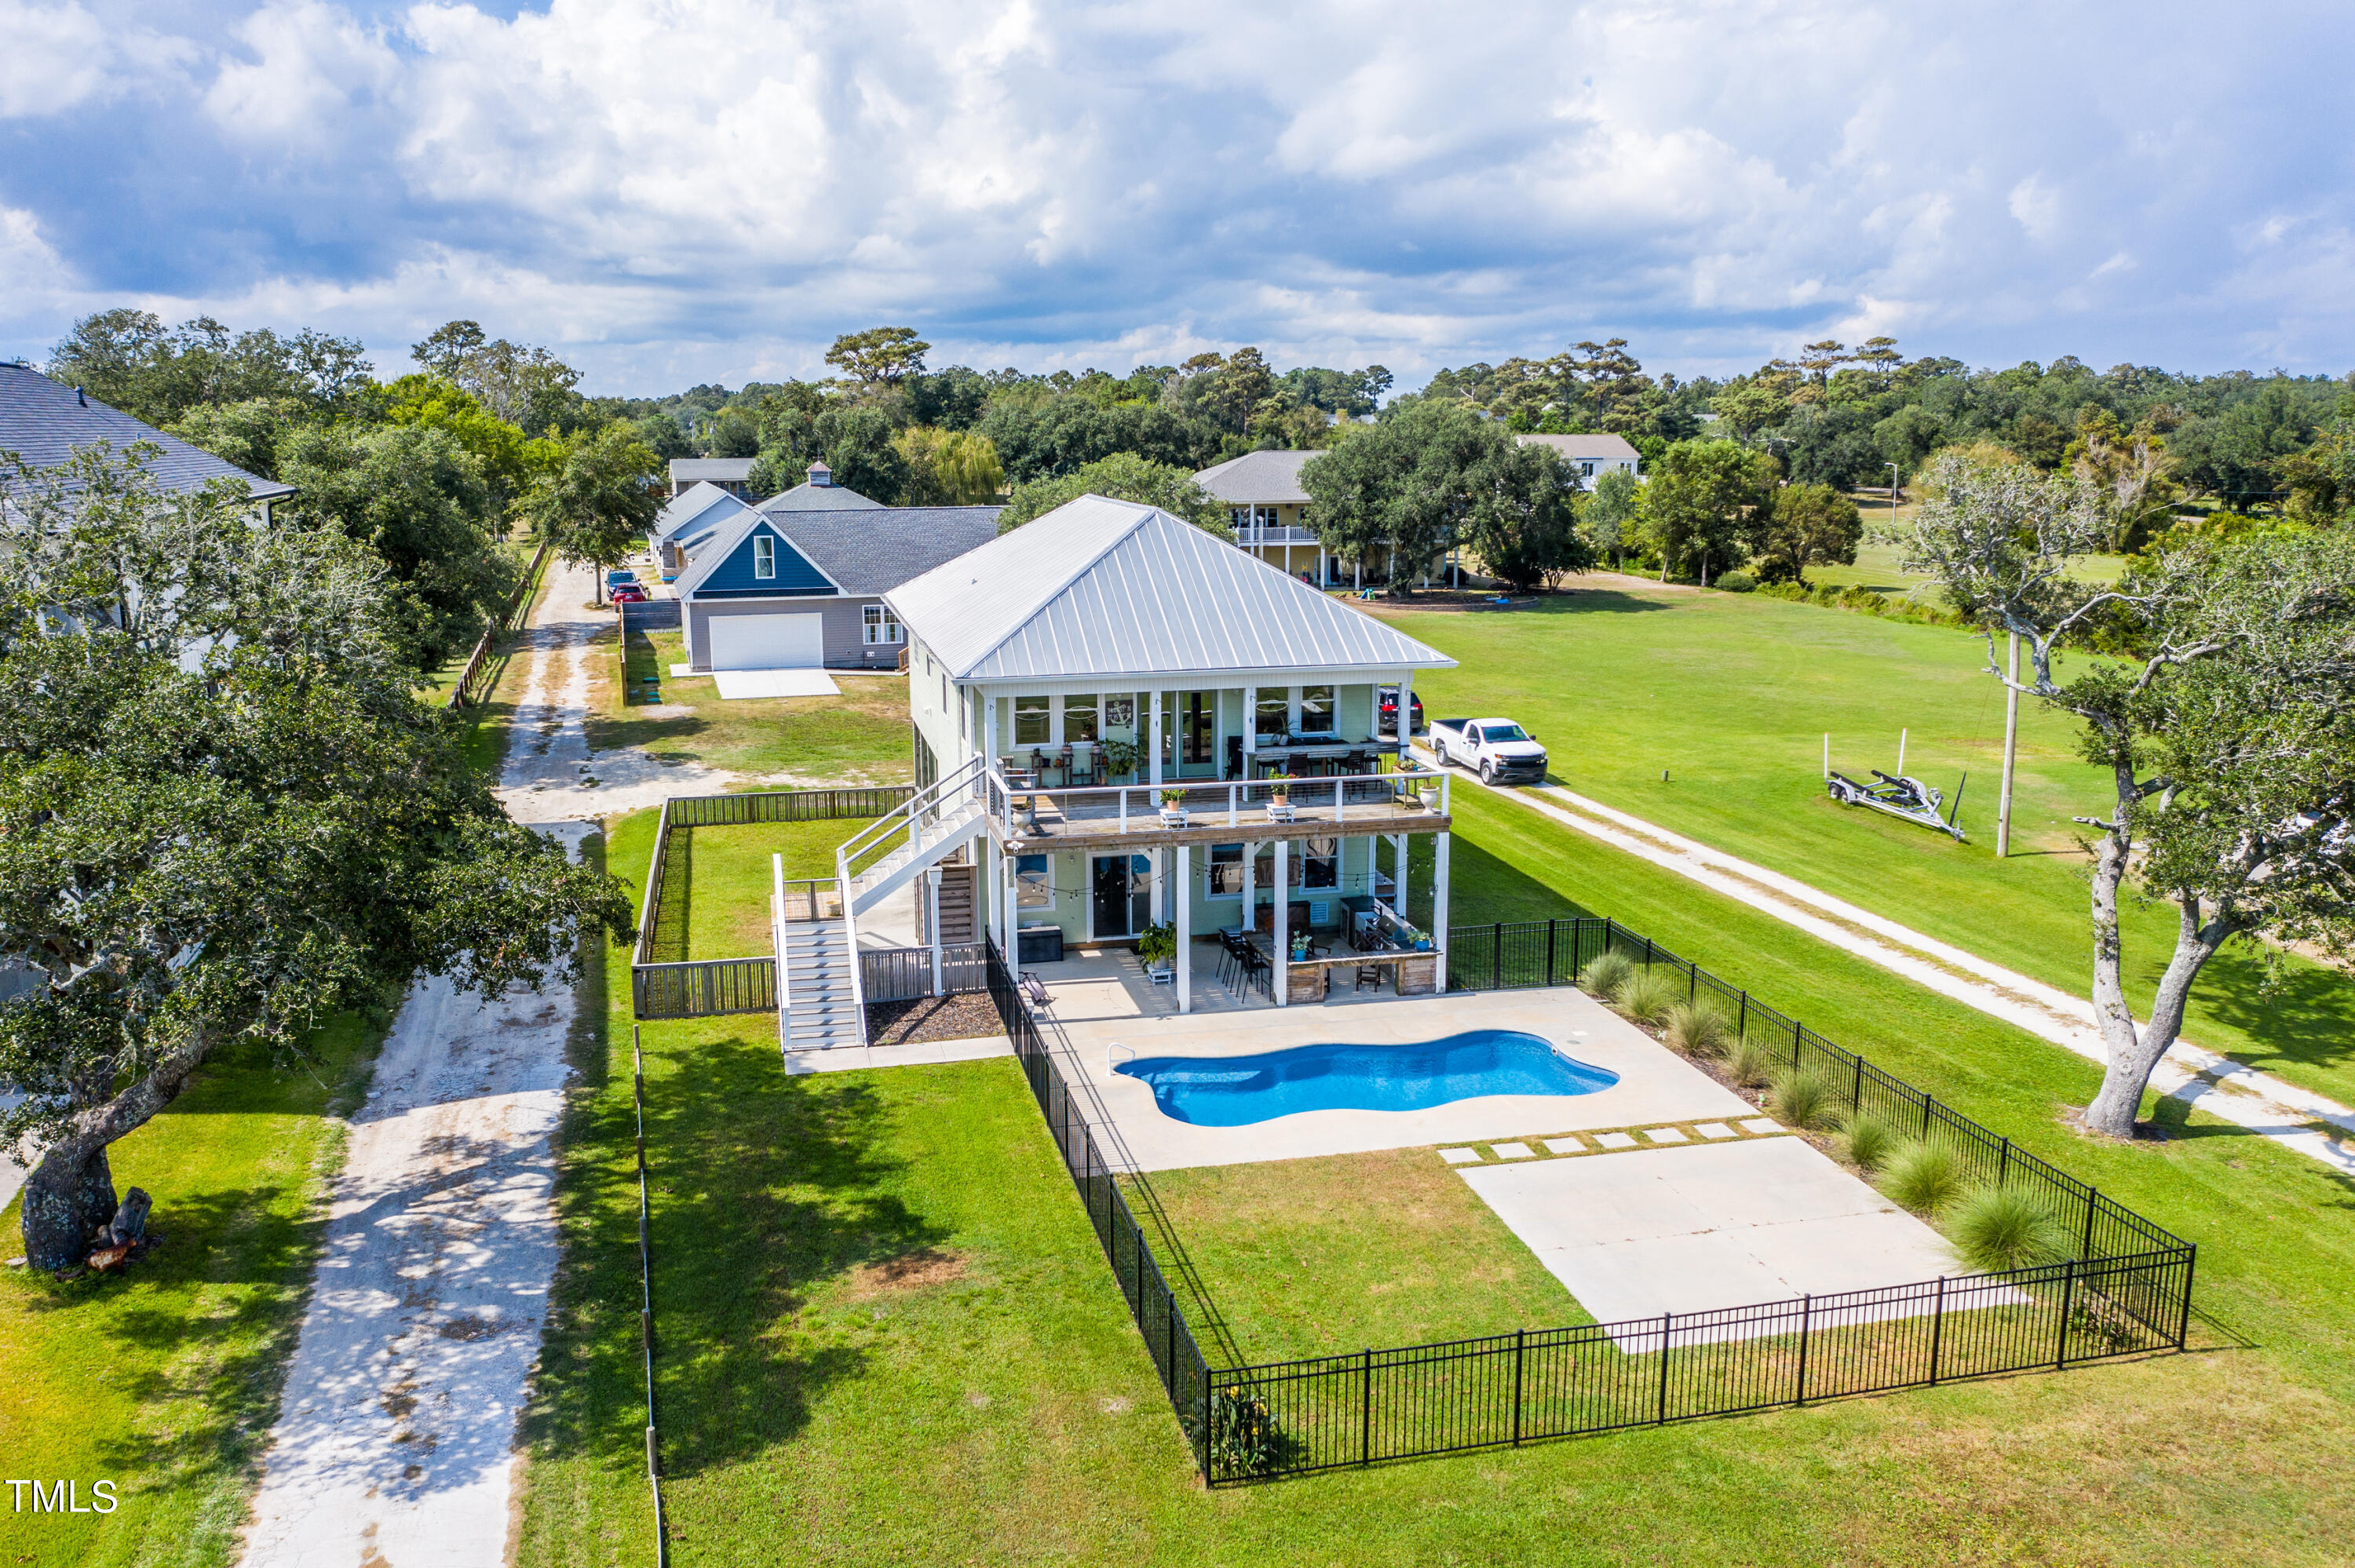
(165, 1379)
(1731, 695)
(886, 1334)
(723, 899)
(1305, 1257)
(858, 737)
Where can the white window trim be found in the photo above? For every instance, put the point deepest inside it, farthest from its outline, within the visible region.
(764, 558)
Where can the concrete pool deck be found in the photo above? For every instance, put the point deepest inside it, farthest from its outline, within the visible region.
(1700, 1227)
(1107, 1014)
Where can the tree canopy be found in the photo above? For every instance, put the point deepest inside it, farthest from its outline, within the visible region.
(223, 815)
(1121, 477)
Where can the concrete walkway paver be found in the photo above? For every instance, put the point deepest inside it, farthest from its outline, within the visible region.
(2281, 1112)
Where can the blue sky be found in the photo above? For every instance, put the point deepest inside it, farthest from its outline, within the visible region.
(674, 191)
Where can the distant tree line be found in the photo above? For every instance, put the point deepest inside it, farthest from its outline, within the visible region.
(431, 471)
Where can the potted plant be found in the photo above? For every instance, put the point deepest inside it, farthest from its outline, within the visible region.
(1119, 758)
(1156, 947)
(1173, 808)
(1279, 798)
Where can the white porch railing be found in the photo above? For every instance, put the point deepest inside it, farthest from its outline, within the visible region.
(1375, 797)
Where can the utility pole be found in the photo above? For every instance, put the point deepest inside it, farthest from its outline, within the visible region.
(2010, 747)
(1892, 494)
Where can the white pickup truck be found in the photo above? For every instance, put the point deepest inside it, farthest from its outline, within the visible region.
(1498, 749)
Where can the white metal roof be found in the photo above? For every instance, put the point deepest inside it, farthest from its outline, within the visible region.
(1260, 479)
(1114, 587)
(1584, 448)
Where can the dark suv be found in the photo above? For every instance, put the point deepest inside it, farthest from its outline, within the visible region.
(1388, 723)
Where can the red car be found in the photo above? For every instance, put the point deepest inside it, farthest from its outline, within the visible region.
(629, 593)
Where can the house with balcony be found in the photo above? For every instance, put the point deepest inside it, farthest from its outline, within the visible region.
(1119, 722)
(1268, 507)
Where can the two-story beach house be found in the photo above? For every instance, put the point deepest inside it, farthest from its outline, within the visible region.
(1121, 722)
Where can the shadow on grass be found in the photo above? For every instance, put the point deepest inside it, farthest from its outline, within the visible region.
(768, 1189)
(2310, 1018)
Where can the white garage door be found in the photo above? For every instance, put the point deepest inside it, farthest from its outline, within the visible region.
(767, 641)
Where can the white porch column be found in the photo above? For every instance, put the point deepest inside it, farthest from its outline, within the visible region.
(1184, 912)
(989, 728)
(1398, 875)
(1283, 922)
(1406, 706)
(1154, 860)
(1006, 893)
(933, 905)
(1439, 905)
(1250, 921)
(1153, 748)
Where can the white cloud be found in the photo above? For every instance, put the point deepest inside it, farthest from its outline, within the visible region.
(715, 187)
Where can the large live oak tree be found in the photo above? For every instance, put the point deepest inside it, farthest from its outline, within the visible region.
(224, 815)
(2224, 716)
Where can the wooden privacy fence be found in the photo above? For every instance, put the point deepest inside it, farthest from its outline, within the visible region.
(664, 982)
(466, 692)
(901, 974)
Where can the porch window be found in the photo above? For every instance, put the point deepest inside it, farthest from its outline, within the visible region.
(1034, 887)
(764, 556)
(883, 626)
(1320, 862)
(1080, 718)
(1224, 874)
(1031, 720)
(1316, 710)
(1271, 713)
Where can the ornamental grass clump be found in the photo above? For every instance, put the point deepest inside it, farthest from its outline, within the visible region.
(1869, 1139)
(1752, 1063)
(1923, 1177)
(1997, 1229)
(1803, 1096)
(1696, 1028)
(1603, 977)
(1646, 996)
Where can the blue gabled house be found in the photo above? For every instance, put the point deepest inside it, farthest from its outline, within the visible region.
(804, 589)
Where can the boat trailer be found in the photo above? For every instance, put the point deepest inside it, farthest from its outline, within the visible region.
(1908, 797)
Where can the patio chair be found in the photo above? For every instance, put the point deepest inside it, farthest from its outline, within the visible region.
(1035, 991)
(1080, 767)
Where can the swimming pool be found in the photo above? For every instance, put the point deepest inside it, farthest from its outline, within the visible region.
(1236, 1091)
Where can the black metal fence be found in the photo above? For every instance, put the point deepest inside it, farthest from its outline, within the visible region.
(2126, 1292)
(1554, 952)
(1184, 1373)
(901, 974)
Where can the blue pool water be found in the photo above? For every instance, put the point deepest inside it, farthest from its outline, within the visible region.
(1235, 1091)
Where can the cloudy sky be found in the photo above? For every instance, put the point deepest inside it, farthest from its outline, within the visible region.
(674, 191)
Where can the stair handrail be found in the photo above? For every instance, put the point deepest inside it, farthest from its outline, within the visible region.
(858, 979)
(904, 818)
(777, 935)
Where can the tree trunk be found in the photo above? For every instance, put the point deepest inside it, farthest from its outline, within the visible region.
(2129, 1069)
(68, 1196)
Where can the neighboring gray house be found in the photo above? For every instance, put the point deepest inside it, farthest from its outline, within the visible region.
(688, 517)
(45, 422)
(1591, 455)
(819, 493)
(731, 474)
(803, 587)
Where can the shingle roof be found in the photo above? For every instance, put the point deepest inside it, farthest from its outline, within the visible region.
(724, 471)
(1585, 449)
(1258, 478)
(706, 552)
(1112, 587)
(806, 497)
(876, 550)
(684, 508)
(45, 422)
